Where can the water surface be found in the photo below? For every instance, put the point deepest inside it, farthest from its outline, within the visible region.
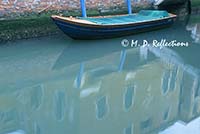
(58, 85)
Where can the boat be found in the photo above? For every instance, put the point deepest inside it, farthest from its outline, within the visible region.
(101, 27)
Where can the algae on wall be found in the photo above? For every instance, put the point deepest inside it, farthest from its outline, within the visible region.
(26, 28)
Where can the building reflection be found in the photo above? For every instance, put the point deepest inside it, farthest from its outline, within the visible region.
(139, 90)
(95, 89)
(195, 31)
(194, 27)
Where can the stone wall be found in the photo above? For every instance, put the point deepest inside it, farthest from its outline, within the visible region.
(21, 6)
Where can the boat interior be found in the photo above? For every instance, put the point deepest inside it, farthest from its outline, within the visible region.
(142, 16)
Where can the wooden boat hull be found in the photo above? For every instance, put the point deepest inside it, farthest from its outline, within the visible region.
(84, 31)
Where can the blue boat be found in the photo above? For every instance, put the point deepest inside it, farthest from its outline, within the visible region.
(101, 27)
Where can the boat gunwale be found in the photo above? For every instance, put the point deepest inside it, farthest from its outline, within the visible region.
(70, 20)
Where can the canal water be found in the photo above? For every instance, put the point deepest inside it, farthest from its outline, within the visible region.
(56, 85)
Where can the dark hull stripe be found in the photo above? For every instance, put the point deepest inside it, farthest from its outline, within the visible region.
(80, 32)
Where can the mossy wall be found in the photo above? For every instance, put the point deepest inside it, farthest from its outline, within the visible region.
(21, 7)
(26, 28)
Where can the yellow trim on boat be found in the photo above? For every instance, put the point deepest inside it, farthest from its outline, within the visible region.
(73, 19)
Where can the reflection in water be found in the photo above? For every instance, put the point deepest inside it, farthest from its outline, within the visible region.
(194, 28)
(63, 86)
(195, 32)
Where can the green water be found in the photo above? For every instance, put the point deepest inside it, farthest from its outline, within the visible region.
(56, 85)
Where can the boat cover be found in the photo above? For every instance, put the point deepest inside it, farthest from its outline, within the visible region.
(143, 15)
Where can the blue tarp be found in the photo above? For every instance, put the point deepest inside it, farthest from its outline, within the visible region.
(143, 15)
